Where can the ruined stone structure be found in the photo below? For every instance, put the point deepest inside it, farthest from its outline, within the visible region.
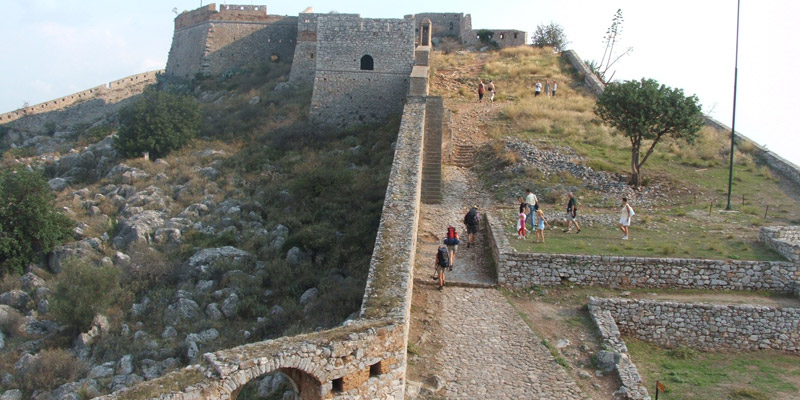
(207, 40)
(452, 25)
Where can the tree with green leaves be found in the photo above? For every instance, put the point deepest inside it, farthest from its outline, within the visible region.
(158, 123)
(83, 291)
(29, 221)
(646, 111)
(551, 35)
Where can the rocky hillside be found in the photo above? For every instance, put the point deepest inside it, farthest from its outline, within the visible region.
(262, 227)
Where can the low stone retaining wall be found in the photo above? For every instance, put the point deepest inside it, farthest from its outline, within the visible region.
(783, 239)
(706, 326)
(527, 269)
(589, 78)
(627, 373)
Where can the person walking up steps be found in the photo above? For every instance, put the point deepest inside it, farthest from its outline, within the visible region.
(625, 214)
(540, 222)
(572, 214)
(441, 263)
(490, 88)
(481, 90)
(471, 220)
(451, 241)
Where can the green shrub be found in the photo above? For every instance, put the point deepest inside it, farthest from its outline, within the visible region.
(29, 222)
(50, 369)
(158, 123)
(84, 290)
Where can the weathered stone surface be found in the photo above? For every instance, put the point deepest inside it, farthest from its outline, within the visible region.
(201, 261)
(183, 309)
(137, 229)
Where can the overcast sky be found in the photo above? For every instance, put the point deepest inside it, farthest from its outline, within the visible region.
(53, 48)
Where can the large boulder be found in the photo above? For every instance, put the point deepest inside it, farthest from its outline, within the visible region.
(137, 229)
(183, 309)
(15, 298)
(204, 259)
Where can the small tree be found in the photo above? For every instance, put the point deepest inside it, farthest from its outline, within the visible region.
(646, 111)
(29, 222)
(551, 35)
(84, 290)
(158, 123)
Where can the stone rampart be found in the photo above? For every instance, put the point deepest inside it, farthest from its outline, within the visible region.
(783, 166)
(591, 81)
(112, 92)
(211, 41)
(526, 269)
(362, 69)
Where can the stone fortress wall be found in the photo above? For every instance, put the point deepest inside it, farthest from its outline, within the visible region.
(211, 41)
(112, 92)
(362, 68)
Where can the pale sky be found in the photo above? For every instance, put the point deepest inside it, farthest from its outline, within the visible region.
(53, 48)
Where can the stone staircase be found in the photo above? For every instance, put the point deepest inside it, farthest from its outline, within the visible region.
(464, 155)
(432, 151)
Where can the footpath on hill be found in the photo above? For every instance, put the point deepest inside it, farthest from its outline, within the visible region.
(467, 341)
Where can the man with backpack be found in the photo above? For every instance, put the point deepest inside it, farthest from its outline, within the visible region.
(441, 264)
(452, 242)
(471, 220)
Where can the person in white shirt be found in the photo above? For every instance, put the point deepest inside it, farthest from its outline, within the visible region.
(533, 205)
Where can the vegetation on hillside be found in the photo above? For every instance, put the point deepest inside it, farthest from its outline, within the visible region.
(29, 223)
(158, 123)
(677, 205)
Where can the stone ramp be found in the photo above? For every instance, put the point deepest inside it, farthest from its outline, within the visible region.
(490, 353)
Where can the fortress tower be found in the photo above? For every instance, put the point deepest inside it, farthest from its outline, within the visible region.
(207, 40)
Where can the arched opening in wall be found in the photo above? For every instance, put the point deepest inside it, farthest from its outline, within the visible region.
(285, 384)
(274, 57)
(367, 63)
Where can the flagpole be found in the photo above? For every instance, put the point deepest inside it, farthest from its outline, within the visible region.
(733, 123)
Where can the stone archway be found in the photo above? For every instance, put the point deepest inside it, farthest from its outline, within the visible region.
(304, 385)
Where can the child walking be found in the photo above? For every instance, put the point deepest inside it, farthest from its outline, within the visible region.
(540, 222)
(522, 233)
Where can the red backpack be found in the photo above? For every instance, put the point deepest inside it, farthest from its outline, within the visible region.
(451, 233)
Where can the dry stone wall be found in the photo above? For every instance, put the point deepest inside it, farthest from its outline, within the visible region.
(525, 269)
(785, 240)
(706, 326)
(454, 25)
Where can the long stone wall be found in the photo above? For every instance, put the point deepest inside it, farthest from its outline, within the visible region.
(526, 269)
(112, 92)
(706, 326)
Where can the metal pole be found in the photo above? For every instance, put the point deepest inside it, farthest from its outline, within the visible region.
(733, 124)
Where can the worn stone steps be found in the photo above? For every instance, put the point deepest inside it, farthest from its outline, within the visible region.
(432, 151)
(464, 155)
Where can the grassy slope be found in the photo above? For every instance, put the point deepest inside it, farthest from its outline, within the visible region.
(694, 176)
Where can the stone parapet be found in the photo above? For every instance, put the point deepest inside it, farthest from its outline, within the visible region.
(589, 78)
(526, 269)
